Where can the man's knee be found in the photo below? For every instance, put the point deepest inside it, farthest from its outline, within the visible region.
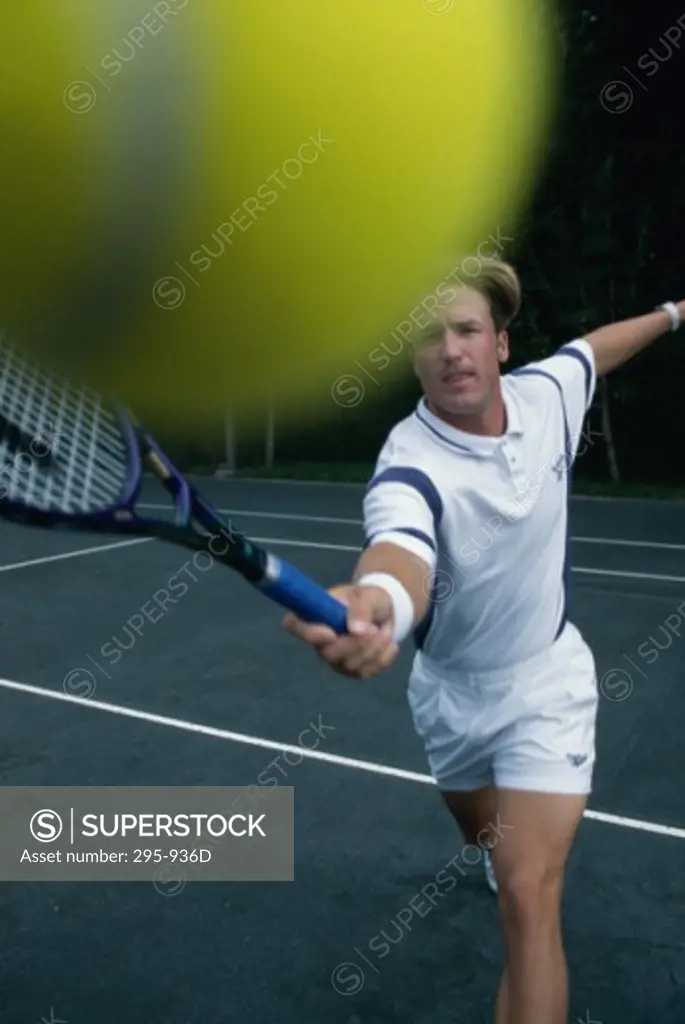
(530, 897)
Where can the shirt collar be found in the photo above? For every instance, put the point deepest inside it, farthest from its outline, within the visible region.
(472, 444)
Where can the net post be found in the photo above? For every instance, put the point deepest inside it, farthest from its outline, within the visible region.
(270, 439)
(228, 466)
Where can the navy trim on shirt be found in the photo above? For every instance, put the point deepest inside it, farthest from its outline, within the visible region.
(411, 531)
(422, 629)
(567, 557)
(566, 579)
(574, 353)
(447, 440)
(421, 482)
(415, 478)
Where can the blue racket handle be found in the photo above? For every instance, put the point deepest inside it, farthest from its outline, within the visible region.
(296, 592)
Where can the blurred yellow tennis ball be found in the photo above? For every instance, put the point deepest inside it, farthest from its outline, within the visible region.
(208, 203)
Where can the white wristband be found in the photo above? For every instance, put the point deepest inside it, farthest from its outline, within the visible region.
(673, 314)
(403, 606)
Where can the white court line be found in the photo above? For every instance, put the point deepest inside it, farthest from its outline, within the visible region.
(346, 483)
(280, 480)
(277, 541)
(625, 498)
(295, 517)
(79, 553)
(317, 545)
(658, 545)
(629, 575)
(314, 755)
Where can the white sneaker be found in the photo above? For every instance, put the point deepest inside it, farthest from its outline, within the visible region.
(490, 872)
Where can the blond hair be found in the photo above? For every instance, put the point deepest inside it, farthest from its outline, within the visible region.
(499, 284)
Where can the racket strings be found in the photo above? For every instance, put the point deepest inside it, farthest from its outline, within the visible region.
(60, 447)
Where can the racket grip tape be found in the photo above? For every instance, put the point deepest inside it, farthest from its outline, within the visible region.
(293, 590)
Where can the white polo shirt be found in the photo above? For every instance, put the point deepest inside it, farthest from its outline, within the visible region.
(489, 516)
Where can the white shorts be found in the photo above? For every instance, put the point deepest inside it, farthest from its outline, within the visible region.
(530, 727)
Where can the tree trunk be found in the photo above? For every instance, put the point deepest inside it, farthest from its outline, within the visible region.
(607, 432)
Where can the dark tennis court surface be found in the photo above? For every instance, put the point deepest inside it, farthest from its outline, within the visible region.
(351, 941)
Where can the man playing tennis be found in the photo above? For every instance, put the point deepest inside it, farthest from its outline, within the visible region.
(467, 530)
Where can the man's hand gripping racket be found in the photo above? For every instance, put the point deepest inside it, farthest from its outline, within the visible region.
(367, 647)
(68, 460)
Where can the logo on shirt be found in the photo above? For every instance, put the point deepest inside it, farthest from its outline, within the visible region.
(561, 467)
(577, 759)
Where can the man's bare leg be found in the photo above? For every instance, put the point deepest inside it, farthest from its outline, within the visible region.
(530, 859)
(475, 812)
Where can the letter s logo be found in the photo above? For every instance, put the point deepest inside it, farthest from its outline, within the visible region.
(46, 826)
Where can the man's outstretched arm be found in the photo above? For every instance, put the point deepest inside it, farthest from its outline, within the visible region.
(614, 344)
(387, 595)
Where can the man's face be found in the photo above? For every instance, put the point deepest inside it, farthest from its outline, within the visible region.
(459, 356)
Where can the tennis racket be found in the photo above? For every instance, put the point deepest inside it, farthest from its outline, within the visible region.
(68, 459)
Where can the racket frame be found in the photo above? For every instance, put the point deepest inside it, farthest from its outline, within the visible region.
(273, 576)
